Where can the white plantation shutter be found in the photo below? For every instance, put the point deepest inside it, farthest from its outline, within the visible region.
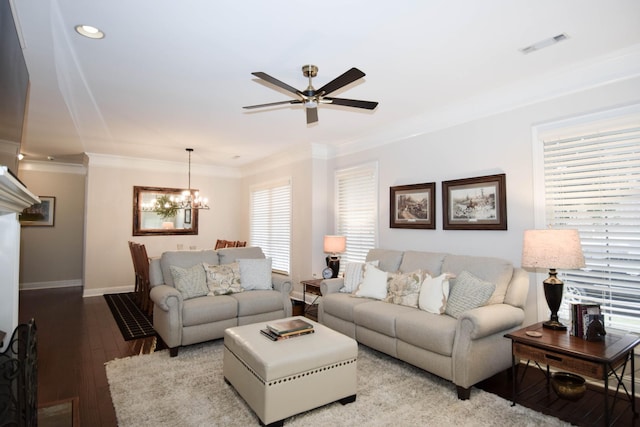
(592, 184)
(271, 222)
(356, 192)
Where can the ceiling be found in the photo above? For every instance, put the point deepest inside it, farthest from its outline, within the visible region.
(170, 75)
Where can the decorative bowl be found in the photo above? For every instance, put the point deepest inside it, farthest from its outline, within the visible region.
(568, 386)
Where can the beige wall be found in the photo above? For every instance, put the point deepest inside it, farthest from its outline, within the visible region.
(109, 215)
(52, 256)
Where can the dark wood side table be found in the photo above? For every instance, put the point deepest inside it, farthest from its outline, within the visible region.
(595, 359)
(311, 286)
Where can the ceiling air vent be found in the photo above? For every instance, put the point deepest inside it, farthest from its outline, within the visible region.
(544, 43)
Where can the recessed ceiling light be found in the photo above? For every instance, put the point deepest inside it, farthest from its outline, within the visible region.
(20, 156)
(89, 31)
(544, 43)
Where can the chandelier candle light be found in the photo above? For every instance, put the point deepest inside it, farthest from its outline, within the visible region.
(189, 199)
(552, 249)
(334, 245)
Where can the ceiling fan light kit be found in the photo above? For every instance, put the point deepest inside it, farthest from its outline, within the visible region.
(311, 97)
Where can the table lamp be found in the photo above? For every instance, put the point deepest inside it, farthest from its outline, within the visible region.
(334, 245)
(552, 249)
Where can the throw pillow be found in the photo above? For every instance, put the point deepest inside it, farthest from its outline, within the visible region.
(353, 272)
(255, 273)
(433, 294)
(223, 279)
(374, 283)
(191, 282)
(468, 292)
(404, 288)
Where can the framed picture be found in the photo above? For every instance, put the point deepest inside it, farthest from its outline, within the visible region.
(187, 216)
(475, 203)
(41, 214)
(412, 206)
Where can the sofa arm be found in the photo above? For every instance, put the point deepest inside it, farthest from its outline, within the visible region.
(331, 286)
(489, 319)
(282, 284)
(166, 297)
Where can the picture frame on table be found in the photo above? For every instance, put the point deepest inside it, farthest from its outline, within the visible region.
(478, 203)
(412, 206)
(41, 214)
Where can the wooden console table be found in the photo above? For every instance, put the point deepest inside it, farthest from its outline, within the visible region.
(594, 359)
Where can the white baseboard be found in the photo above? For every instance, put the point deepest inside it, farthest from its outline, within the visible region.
(111, 290)
(49, 285)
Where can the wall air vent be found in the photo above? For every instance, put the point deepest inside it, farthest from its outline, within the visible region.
(544, 43)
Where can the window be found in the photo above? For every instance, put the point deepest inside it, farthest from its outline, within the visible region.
(271, 222)
(592, 183)
(356, 192)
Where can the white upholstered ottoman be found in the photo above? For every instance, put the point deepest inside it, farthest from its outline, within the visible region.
(279, 379)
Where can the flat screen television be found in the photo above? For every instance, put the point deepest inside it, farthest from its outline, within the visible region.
(14, 89)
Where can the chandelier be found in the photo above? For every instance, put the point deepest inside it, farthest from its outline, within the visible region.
(190, 199)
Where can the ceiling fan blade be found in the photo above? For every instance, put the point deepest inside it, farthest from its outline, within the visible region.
(348, 77)
(367, 105)
(274, 81)
(293, 101)
(312, 115)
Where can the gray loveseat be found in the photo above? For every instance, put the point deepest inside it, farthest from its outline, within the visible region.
(464, 350)
(181, 321)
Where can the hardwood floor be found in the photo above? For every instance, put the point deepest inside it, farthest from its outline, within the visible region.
(76, 336)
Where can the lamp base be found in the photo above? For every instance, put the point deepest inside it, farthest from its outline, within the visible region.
(553, 288)
(333, 262)
(555, 325)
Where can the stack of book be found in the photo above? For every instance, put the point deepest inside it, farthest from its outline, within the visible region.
(581, 316)
(285, 329)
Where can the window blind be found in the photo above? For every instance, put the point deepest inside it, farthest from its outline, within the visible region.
(271, 222)
(592, 184)
(356, 191)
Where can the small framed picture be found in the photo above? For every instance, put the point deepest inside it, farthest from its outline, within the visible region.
(475, 203)
(41, 214)
(413, 206)
(187, 216)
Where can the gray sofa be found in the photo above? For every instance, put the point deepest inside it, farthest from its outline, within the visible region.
(464, 350)
(181, 321)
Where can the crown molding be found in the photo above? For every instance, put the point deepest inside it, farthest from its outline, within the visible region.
(52, 167)
(150, 165)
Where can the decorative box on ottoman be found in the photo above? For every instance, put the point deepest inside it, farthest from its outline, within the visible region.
(282, 378)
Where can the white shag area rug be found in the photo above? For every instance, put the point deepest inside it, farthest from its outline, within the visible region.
(189, 390)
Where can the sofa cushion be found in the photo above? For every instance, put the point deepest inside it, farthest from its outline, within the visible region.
(342, 305)
(426, 330)
(255, 273)
(258, 302)
(229, 255)
(374, 283)
(494, 270)
(430, 261)
(208, 309)
(389, 260)
(191, 282)
(468, 292)
(353, 274)
(404, 288)
(223, 279)
(184, 259)
(379, 316)
(434, 293)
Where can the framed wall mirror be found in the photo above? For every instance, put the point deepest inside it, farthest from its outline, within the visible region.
(155, 214)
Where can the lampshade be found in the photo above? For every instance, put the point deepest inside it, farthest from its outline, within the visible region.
(552, 249)
(335, 244)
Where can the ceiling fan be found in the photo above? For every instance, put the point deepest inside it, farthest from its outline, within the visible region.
(311, 97)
